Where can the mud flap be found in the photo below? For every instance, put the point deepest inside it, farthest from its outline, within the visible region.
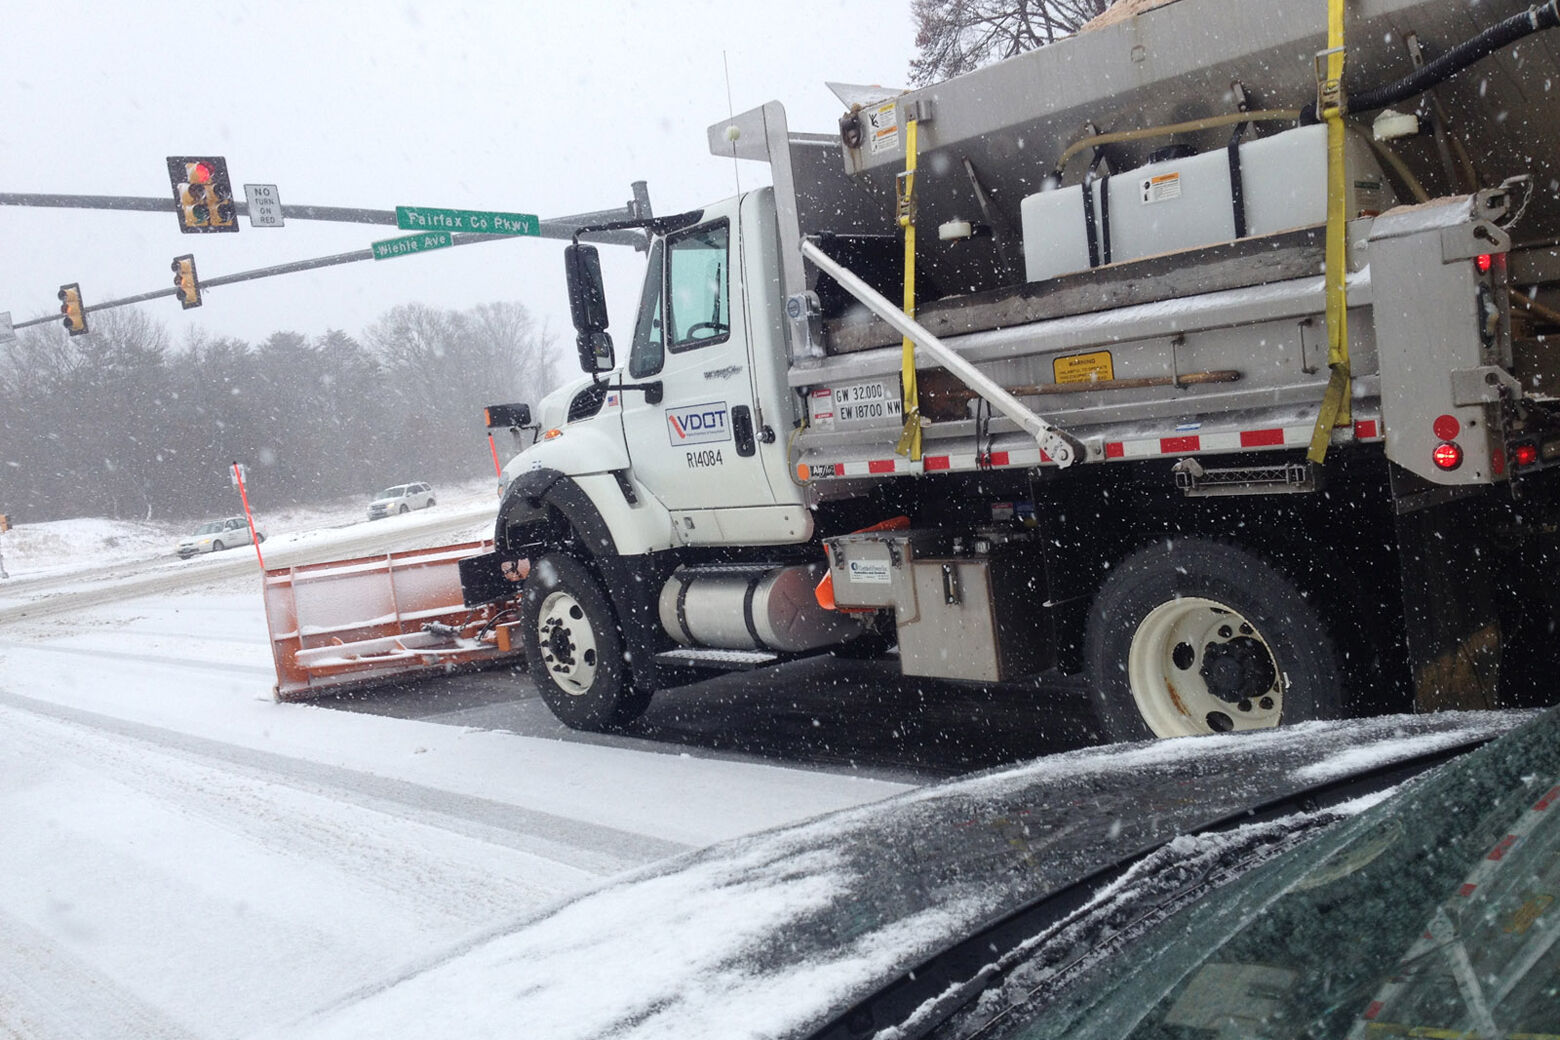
(1451, 622)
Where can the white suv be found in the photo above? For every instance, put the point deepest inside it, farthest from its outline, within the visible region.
(402, 498)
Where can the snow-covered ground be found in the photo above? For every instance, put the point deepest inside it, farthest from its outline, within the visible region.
(184, 857)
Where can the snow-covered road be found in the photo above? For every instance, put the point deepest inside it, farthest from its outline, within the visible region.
(181, 856)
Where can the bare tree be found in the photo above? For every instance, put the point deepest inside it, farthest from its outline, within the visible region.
(955, 36)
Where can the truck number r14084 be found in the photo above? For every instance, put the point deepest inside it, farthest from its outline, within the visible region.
(708, 457)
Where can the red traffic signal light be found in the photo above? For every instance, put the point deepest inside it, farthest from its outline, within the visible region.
(185, 281)
(202, 193)
(75, 320)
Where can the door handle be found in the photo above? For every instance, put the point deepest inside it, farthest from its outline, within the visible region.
(742, 429)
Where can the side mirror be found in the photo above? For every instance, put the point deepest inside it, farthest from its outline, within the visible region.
(595, 352)
(587, 299)
(515, 416)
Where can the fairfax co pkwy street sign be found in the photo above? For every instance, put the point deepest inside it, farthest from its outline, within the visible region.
(393, 247)
(477, 222)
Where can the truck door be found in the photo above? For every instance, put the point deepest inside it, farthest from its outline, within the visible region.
(696, 447)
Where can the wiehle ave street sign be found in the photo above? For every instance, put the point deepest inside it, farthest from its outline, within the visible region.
(477, 222)
(388, 248)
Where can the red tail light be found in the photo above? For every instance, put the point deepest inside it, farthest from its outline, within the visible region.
(1484, 262)
(1524, 454)
(1447, 455)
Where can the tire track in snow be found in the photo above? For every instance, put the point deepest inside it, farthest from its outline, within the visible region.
(47, 993)
(590, 847)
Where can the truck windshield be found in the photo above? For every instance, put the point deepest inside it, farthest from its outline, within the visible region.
(644, 357)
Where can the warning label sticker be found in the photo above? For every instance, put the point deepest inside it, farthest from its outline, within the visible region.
(1162, 188)
(1083, 368)
(883, 127)
(820, 409)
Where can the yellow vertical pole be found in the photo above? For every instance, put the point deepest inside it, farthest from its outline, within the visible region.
(910, 395)
(1335, 403)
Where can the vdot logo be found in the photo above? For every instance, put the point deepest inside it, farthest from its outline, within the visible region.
(699, 423)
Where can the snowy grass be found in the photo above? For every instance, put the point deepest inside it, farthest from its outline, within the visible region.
(64, 546)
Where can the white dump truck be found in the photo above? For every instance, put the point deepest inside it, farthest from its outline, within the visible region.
(1210, 352)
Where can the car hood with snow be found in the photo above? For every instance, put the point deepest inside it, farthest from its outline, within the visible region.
(777, 934)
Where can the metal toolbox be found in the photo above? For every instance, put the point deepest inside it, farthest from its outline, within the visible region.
(977, 617)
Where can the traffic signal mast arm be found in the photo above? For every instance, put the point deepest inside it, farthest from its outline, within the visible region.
(558, 227)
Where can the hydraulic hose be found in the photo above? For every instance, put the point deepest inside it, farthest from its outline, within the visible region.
(1498, 36)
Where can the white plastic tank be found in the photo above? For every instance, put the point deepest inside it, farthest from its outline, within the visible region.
(1185, 203)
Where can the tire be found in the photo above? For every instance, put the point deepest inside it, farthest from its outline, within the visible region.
(1192, 636)
(574, 649)
(259, 537)
(217, 547)
(405, 509)
(429, 505)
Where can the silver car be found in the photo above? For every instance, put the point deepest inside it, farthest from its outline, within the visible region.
(216, 535)
(402, 498)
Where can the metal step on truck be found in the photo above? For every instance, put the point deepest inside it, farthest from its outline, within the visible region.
(1210, 352)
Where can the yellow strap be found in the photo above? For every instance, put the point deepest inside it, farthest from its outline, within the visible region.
(1335, 403)
(910, 395)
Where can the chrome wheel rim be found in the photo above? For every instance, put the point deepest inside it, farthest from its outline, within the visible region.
(1197, 666)
(567, 642)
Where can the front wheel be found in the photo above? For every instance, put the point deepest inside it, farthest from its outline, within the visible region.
(1193, 636)
(217, 547)
(573, 647)
(404, 509)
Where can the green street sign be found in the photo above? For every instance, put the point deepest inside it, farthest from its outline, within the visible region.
(477, 222)
(393, 247)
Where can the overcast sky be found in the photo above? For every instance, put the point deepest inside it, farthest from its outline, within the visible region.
(550, 108)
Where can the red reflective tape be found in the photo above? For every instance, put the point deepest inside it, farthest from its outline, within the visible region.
(839, 469)
(1499, 851)
(999, 458)
(1374, 1009)
(1115, 450)
(1467, 889)
(1171, 445)
(937, 462)
(1261, 438)
(880, 466)
(1549, 799)
(1365, 429)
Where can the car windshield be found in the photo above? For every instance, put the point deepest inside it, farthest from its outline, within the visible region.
(1433, 914)
(211, 527)
(394, 492)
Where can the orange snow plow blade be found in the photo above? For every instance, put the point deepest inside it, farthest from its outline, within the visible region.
(372, 620)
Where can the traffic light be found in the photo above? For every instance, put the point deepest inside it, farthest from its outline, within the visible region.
(203, 193)
(75, 320)
(185, 281)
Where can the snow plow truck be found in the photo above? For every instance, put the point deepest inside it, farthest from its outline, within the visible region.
(1211, 352)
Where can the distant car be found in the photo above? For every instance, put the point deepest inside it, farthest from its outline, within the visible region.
(402, 498)
(216, 535)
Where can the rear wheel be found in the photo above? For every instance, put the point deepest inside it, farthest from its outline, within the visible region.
(1193, 636)
(573, 647)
